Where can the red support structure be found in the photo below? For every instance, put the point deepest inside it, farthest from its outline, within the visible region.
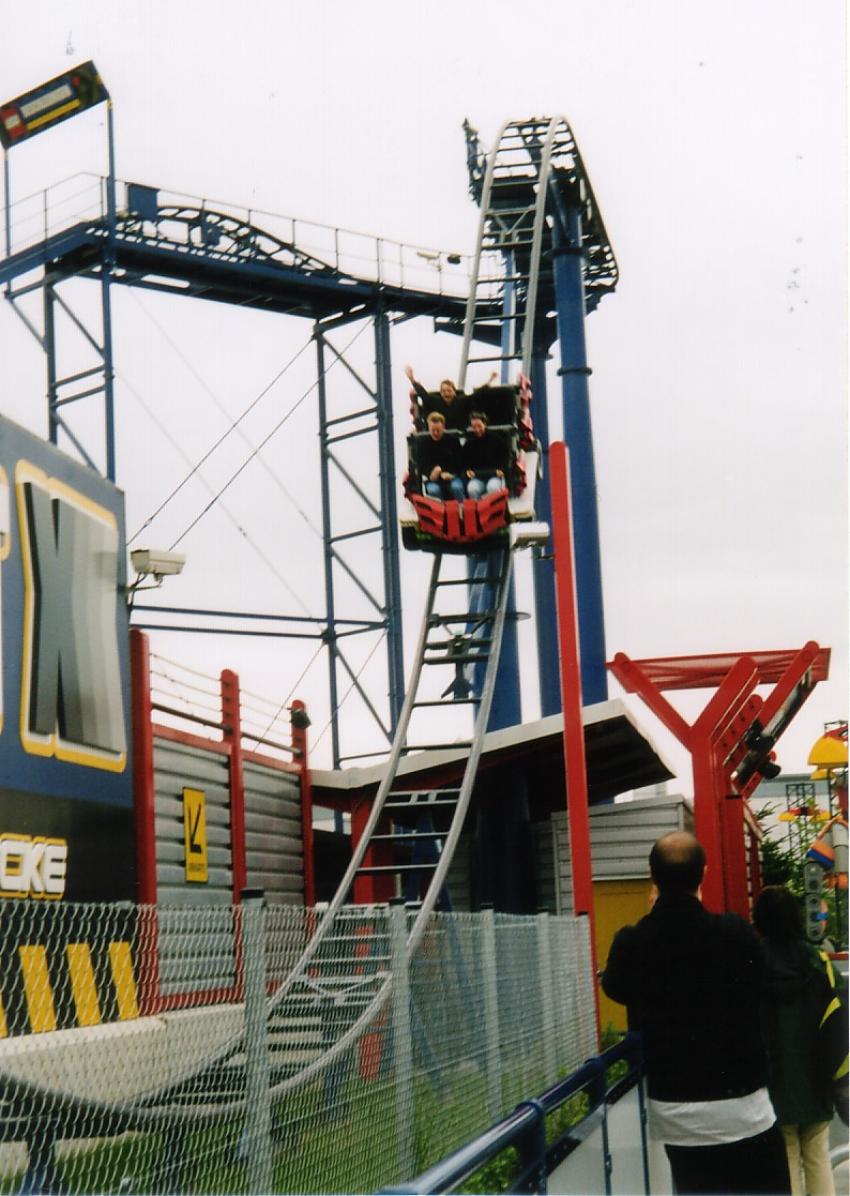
(143, 776)
(728, 743)
(231, 717)
(299, 724)
(571, 697)
(147, 958)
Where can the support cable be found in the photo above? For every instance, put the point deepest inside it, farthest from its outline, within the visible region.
(262, 443)
(288, 697)
(208, 486)
(222, 439)
(347, 693)
(227, 415)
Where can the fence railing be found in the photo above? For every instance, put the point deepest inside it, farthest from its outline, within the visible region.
(206, 1096)
(545, 1131)
(82, 198)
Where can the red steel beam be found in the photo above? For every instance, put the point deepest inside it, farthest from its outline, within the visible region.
(299, 744)
(575, 766)
(231, 717)
(716, 741)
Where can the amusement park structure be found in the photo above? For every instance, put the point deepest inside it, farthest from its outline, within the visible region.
(541, 262)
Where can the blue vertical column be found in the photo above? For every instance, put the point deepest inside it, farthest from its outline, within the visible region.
(107, 264)
(389, 516)
(543, 572)
(570, 305)
(506, 710)
(330, 606)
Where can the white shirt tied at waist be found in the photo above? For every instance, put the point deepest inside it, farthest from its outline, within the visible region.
(710, 1122)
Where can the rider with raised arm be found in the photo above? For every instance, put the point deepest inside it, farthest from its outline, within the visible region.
(450, 402)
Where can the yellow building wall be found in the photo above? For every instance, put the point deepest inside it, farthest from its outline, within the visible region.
(616, 903)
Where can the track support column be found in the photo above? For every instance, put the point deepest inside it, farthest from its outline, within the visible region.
(543, 572)
(389, 516)
(574, 371)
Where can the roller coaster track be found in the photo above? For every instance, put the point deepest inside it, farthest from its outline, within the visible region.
(331, 982)
(535, 162)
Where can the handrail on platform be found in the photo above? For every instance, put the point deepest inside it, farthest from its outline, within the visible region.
(525, 1127)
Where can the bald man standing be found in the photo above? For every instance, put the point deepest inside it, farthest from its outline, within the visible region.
(692, 981)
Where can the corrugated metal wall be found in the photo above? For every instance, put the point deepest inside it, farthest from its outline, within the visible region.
(273, 848)
(187, 962)
(178, 766)
(621, 837)
(273, 840)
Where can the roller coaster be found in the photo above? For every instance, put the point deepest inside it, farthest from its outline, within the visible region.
(542, 260)
(532, 189)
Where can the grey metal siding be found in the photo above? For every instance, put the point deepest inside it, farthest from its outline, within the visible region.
(177, 767)
(621, 837)
(189, 962)
(274, 846)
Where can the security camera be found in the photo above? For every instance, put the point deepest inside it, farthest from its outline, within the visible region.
(157, 562)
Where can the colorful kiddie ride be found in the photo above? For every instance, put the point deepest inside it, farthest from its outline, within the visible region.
(449, 514)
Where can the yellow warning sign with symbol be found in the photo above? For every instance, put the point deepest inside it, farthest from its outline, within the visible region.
(195, 836)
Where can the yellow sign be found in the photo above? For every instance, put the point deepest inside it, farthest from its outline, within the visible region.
(195, 836)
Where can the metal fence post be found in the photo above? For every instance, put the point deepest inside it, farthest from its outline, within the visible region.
(402, 1040)
(545, 984)
(257, 1132)
(492, 1054)
(559, 986)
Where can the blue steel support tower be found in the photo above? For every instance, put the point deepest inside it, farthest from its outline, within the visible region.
(543, 252)
(543, 575)
(568, 255)
(134, 236)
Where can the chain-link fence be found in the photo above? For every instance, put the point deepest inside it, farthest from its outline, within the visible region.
(152, 1050)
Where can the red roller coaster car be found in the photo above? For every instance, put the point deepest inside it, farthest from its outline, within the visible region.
(475, 525)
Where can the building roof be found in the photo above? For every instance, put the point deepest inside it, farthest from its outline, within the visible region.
(619, 756)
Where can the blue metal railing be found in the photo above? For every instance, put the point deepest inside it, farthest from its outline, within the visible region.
(84, 197)
(525, 1128)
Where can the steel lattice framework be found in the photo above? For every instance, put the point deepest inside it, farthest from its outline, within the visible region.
(542, 260)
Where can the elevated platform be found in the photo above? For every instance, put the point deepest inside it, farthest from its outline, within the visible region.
(257, 260)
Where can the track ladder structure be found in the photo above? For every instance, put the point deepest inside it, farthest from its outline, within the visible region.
(533, 158)
(343, 979)
(331, 975)
(501, 306)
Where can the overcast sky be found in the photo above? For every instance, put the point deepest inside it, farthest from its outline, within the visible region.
(714, 134)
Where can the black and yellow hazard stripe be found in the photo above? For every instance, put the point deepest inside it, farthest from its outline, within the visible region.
(52, 978)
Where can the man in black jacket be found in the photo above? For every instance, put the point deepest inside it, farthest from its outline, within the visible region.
(692, 982)
(484, 458)
(438, 460)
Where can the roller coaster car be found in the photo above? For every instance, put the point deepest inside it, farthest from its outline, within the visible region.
(474, 525)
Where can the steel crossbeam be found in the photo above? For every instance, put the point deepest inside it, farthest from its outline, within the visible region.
(724, 761)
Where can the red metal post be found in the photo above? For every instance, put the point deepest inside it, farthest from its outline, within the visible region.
(143, 774)
(364, 887)
(231, 717)
(144, 801)
(299, 726)
(717, 821)
(571, 695)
